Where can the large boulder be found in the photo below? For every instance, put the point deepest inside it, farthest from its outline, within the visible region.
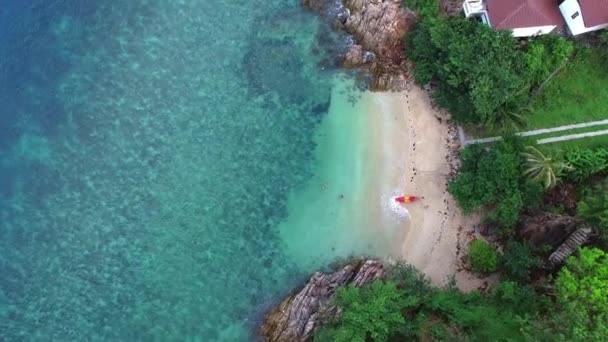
(296, 318)
(378, 28)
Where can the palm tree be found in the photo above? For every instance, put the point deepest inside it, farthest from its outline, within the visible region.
(544, 169)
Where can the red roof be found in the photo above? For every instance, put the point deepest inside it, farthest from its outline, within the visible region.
(595, 12)
(512, 14)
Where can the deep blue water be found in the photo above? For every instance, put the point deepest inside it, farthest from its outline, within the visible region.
(147, 148)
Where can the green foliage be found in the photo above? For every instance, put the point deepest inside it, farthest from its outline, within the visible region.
(582, 294)
(517, 261)
(429, 313)
(542, 168)
(410, 280)
(479, 318)
(546, 54)
(482, 256)
(478, 70)
(576, 94)
(586, 163)
(371, 311)
(424, 8)
(494, 179)
(593, 208)
(603, 36)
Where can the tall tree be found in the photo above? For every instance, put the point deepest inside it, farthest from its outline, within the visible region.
(593, 208)
(582, 294)
(478, 71)
(542, 168)
(492, 179)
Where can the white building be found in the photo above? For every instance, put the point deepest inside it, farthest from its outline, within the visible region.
(584, 16)
(533, 17)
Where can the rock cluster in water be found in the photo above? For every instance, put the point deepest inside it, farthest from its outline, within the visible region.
(296, 318)
(378, 28)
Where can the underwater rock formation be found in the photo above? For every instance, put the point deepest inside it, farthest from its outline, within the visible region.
(378, 26)
(296, 317)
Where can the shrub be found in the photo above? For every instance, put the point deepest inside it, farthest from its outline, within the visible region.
(593, 208)
(546, 54)
(482, 256)
(424, 8)
(586, 163)
(371, 311)
(479, 71)
(494, 179)
(582, 290)
(517, 261)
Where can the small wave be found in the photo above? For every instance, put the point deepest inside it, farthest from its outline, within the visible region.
(395, 207)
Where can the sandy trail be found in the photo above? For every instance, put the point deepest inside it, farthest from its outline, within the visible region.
(437, 233)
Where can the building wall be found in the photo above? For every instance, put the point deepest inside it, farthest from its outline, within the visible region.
(571, 10)
(533, 31)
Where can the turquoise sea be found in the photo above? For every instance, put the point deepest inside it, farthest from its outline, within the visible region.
(170, 168)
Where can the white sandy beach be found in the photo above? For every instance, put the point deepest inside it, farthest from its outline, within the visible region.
(419, 139)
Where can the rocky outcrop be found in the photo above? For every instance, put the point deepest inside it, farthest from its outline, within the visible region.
(296, 318)
(378, 26)
(547, 229)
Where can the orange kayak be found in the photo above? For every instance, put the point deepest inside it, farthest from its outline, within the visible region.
(406, 199)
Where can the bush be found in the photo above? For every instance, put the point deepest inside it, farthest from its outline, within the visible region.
(479, 72)
(582, 289)
(586, 163)
(424, 8)
(494, 179)
(593, 208)
(371, 311)
(483, 257)
(546, 54)
(517, 261)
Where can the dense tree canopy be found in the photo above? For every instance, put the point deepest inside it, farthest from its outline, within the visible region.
(593, 208)
(478, 71)
(481, 75)
(582, 294)
(415, 310)
(493, 178)
(586, 162)
(372, 311)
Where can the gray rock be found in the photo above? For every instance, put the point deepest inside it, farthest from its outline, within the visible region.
(296, 318)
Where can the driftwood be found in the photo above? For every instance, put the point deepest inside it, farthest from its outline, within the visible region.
(296, 318)
(571, 245)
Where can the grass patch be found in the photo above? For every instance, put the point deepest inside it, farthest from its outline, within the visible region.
(579, 93)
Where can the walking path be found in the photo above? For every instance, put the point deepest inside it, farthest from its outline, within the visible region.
(545, 131)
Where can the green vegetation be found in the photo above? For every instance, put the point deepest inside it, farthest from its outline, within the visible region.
(483, 76)
(578, 93)
(437, 314)
(482, 256)
(475, 78)
(582, 294)
(372, 311)
(518, 261)
(494, 179)
(593, 208)
(542, 168)
(405, 307)
(424, 8)
(585, 163)
(545, 55)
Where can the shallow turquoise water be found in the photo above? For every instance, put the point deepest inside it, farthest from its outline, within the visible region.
(149, 156)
